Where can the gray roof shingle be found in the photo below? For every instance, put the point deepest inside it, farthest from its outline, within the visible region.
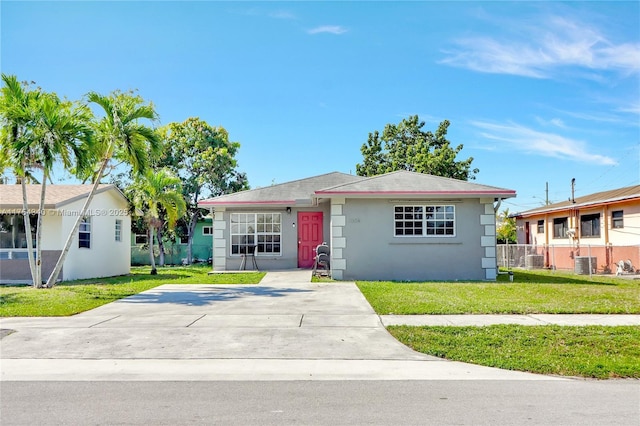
(399, 183)
(403, 182)
(288, 193)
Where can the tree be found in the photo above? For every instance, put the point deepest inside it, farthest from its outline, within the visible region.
(158, 193)
(62, 134)
(119, 136)
(16, 110)
(406, 146)
(52, 131)
(204, 159)
(506, 230)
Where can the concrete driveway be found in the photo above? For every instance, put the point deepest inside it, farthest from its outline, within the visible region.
(285, 328)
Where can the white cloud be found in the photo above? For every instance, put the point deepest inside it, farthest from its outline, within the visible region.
(555, 122)
(520, 138)
(282, 14)
(554, 43)
(330, 29)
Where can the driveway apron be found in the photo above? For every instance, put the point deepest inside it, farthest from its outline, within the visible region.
(284, 317)
(284, 327)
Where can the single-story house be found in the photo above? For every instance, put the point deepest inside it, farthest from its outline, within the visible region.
(603, 225)
(100, 249)
(396, 226)
(176, 252)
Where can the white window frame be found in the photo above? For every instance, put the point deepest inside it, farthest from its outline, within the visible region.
(85, 229)
(617, 219)
(424, 218)
(144, 236)
(207, 230)
(118, 230)
(260, 232)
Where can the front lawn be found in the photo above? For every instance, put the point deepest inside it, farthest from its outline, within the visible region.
(589, 351)
(530, 292)
(68, 298)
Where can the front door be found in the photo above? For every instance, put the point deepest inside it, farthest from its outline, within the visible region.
(309, 237)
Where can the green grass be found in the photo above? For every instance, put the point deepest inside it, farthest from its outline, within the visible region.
(590, 351)
(68, 298)
(531, 292)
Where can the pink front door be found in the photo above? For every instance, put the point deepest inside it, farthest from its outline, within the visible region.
(309, 237)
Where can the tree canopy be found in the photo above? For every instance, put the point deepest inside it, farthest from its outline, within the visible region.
(405, 146)
(203, 157)
(506, 231)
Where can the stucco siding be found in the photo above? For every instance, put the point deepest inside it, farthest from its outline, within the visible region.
(106, 256)
(629, 234)
(287, 259)
(372, 252)
(17, 270)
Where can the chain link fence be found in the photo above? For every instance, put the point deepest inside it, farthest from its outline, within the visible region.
(579, 258)
(174, 254)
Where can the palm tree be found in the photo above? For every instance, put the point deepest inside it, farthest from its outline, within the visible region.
(120, 136)
(158, 193)
(62, 135)
(53, 131)
(16, 110)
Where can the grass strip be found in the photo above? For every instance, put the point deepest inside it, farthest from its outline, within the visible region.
(600, 352)
(531, 292)
(72, 297)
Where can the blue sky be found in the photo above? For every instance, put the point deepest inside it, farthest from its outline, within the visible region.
(536, 91)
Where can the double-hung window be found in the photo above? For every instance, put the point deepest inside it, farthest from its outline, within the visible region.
(84, 233)
(425, 221)
(261, 232)
(118, 235)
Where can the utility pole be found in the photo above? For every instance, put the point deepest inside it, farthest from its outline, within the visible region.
(546, 197)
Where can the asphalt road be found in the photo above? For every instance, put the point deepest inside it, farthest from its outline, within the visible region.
(571, 402)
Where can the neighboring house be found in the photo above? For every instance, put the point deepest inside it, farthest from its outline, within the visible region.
(397, 226)
(604, 225)
(176, 253)
(100, 248)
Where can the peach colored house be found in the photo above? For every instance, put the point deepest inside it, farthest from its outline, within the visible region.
(605, 225)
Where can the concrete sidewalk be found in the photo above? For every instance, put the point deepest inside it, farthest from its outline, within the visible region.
(285, 328)
(531, 319)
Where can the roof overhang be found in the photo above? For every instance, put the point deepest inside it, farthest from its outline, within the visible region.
(415, 194)
(244, 204)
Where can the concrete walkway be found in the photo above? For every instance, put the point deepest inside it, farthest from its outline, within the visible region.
(285, 328)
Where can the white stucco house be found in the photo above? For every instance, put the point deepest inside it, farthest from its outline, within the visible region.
(397, 226)
(101, 247)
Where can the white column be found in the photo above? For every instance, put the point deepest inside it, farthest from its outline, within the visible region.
(219, 241)
(488, 239)
(338, 240)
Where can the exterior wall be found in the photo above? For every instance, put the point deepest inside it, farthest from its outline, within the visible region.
(176, 252)
(17, 270)
(630, 233)
(613, 244)
(106, 257)
(364, 246)
(288, 259)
